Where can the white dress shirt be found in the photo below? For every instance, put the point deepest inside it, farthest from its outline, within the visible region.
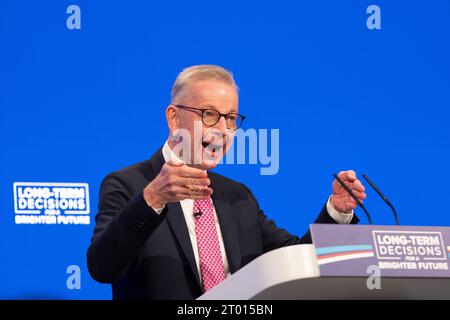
(187, 206)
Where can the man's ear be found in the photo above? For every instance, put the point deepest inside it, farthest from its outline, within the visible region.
(172, 117)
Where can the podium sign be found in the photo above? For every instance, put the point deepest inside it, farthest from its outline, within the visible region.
(413, 262)
(398, 251)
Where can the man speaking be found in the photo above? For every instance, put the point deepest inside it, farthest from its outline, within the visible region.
(168, 228)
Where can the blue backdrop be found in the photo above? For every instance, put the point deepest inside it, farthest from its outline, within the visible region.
(76, 104)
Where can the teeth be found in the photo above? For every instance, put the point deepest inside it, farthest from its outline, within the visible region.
(212, 148)
(211, 145)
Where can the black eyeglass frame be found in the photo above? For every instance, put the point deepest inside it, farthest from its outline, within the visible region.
(239, 116)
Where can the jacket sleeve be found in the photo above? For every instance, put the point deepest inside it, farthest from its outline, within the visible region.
(275, 237)
(124, 222)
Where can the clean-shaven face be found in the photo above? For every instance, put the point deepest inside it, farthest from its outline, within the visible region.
(208, 144)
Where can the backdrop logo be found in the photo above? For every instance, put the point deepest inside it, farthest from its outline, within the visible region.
(415, 250)
(51, 203)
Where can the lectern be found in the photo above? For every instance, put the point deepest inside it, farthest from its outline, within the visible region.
(348, 262)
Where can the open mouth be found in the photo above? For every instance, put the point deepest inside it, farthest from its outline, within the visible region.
(211, 149)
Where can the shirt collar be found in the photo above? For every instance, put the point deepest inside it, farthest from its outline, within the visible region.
(169, 155)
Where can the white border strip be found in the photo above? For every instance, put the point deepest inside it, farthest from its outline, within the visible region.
(52, 184)
(345, 257)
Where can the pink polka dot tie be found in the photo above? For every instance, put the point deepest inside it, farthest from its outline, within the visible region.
(211, 264)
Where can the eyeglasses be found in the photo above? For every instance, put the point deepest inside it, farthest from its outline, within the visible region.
(210, 117)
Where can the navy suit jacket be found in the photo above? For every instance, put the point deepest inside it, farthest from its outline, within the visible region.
(145, 255)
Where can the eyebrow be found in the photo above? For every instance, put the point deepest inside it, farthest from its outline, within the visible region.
(209, 106)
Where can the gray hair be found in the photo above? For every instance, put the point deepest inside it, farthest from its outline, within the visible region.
(201, 72)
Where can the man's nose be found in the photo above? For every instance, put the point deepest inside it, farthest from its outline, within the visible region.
(222, 125)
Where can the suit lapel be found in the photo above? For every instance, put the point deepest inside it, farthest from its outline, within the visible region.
(177, 222)
(228, 228)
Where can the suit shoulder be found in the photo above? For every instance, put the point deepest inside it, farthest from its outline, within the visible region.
(135, 174)
(142, 167)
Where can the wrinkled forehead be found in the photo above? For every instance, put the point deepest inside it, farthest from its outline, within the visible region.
(207, 94)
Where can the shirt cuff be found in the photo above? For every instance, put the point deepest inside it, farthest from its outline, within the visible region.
(158, 210)
(339, 217)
